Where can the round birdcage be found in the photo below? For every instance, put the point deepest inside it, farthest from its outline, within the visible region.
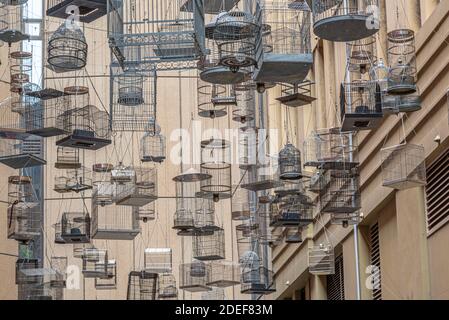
(245, 110)
(152, 146)
(12, 25)
(214, 99)
(402, 59)
(67, 47)
(290, 163)
(20, 65)
(20, 190)
(362, 54)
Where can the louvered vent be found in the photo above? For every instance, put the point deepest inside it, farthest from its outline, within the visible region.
(336, 282)
(32, 146)
(437, 193)
(375, 261)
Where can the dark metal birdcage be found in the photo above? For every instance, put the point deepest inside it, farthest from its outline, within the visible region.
(12, 124)
(224, 274)
(257, 280)
(158, 260)
(293, 235)
(20, 67)
(297, 94)
(19, 154)
(403, 166)
(166, 285)
(214, 99)
(322, 259)
(141, 190)
(153, 146)
(194, 276)
(79, 179)
(294, 211)
(75, 227)
(103, 188)
(86, 11)
(12, 23)
(346, 219)
(67, 47)
(289, 161)
(108, 281)
(26, 264)
(67, 158)
(208, 247)
(402, 61)
(343, 21)
(95, 262)
(142, 285)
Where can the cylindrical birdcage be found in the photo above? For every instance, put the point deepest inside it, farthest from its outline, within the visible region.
(402, 60)
(289, 161)
(208, 247)
(67, 158)
(248, 148)
(214, 99)
(20, 66)
(216, 162)
(103, 188)
(75, 227)
(242, 204)
(245, 110)
(362, 54)
(130, 89)
(67, 47)
(20, 190)
(12, 23)
(153, 146)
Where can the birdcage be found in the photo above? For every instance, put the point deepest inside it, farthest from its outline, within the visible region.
(88, 11)
(67, 158)
(346, 219)
(20, 190)
(20, 98)
(236, 34)
(142, 285)
(58, 229)
(224, 274)
(24, 221)
(267, 176)
(122, 174)
(290, 163)
(245, 110)
(361, 106)
(12, 124)
(62, 184)
(216, 294)
(204, 219)
(296, 94)
(141, 191)
(242, 204)
(79, 179)
(41, 291)
(103, 188)
(95, 262)
(290, 188)
(293, 235)
(208, 247)
(193, 277)
(362, 55)
(19, 154)
(108, 281)
(271, 236)
(214, 99)
(257, 281)
(59, 276)
(342, 193)
(288, 37)
(75, 227)
(166, 285)
(158, 260)
(344, 21)
(114, 222)
(79, 249)
(147, 212)
(20, 67)
(248, 147)
(402, 60)
(403, 166)
(317, 182)
(67, 47)
(27, 264)
(153, 146)
(88, 127)
(216, 162)
(322, 259)
(247, 240)
(142, 36)
(330, 148)
(12, 23)
(294, 211)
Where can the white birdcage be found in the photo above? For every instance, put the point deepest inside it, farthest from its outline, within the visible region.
(158, 260)
(95, 263)
(322, 259)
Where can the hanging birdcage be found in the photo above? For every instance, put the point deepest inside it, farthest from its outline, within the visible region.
(293, 235)
(19, 154)
(247, 240)
(27, 264)
(267, 176)
(216, 294)
(62, 184)
(402, 60)
(21, 191)
(344, 21)
(317, 182)
(95, 262)
(122, 174)
(290, 163)
(216, 162)
(103, 188)
(88, 127)
(224, 274)
(245, 110)
(67, 47)
(109, 280)
(236, 34)
(211, 6)
(346, 219)
(142, 285)
(361, 106)
(75, 227)
(242, 204)
(87, 11)
(193, 277)
(248, 148)
(24, 221)
(394, 104)
(40, 291)
(322, 259)
(214, 99)
(141, 36)
(21, 100)
(296, 94)
(294, 211)
(341, 194)
(257, 281)
(114, 222)
(134, 98)
(12, 124)
(20, 66)
(290, 188)
(79, 179)
(152, 146)
(288, 36)
(67, 158)
(140, 191)
(208, 247)
(147, 212)
(403, 166)
(158, 260)
(12, 23)
(362, 55)
(79, 249)
(59, 277)
(58, 229)
(166, 285)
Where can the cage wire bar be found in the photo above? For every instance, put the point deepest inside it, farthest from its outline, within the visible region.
(143, 34)
(142, 285)
(108, 281)
(207, 247)
(214, 99)
(103, 188)
(158, 260)
(75, 227)
(95, 263)
(141, 190)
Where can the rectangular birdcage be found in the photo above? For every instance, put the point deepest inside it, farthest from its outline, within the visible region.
(19, 154)
(58, 229)
(140, 191)
(284, 47)
(257, 281)
(41, 291)
(59, 277)
(113, 222)
(79, 179)
(293, 235)
(267, 176)
(133, 100)
(224, 274)
(95, 263)
(26, 264)
(346, 219)
(294, 212)
(322, 259)
(109, 280)
(342, 192)
(166, 287)
(12, 124)
(216, 294)
(209, 246)
(158, 260)
(67, 158)
(75, 227)
(103, 188)
(143, 34)
(193, 277)
(317, 182)
(88, 10)
(403, 166)
(24, 221)
(12, 25)
(296, 94)
(142, 285)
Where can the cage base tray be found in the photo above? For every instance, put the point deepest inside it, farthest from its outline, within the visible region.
(240, 215)
(47, 132)
(81, 141)
(153, 159)
(357, 122)
(401, 89)
(116, 234)
(409, 104)
(46, 94)
(67, 165)
(212, 113)
(82, 238)
(344, 28)
(89, 10)
(22, 161)
(222, 75)
(209, 258)
(94, 274)
(340, 209)
(195, 288)
(257, 289)
(296, 100)
(262, 185)
(284, 68)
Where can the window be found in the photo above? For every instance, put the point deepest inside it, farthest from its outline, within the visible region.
(375, 261)
(336, 282)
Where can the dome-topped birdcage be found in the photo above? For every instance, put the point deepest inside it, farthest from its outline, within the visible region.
(322, 259)
(193, 277)
(103, 188)
(67, 47)
(344, 21)
(12, 25)
(402, 60)
(209, 246)
(214, 99)
(362, 55)
(142, 285)
(75, 227)
(153, 146)
(166, 285)
(290, 163)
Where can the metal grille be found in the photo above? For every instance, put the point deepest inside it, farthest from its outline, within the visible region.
(336, 281)
(375, 261)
